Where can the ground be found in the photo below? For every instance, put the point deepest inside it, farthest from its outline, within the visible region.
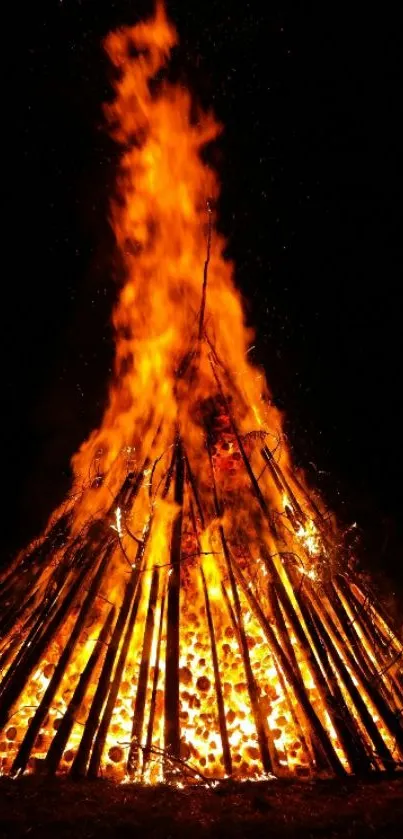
(34, 807)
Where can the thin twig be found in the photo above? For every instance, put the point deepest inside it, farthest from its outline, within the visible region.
(205, 272)
(167, 756)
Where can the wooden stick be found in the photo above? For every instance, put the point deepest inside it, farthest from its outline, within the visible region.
(356, 697)
(79, 765)
(266, 745)
(281, 481)
(148, 745)
(20, 571)
(19, 635)
(325, 523)
(385, 675)
(316, 751)
(196, 497)
(32, 655)
(312, 753)
(380, 619)
(228, 376)
(28, 741)
(42, 620)
(362, 614)
(170, 473)
(346, 724)
(294, 680)
(133, 481)
(392, 692)
(15, 613)
(171, 695)
(390, 719)
(364, 662)
(205, 273)
(255, 486)
(217, 681)
(131, 486)
(373, 638)
(269, 460)
(268, 753)
(395, 690)
(139, 706)
(99, 743)
(61, 737)
(59, 581)
(329, 700)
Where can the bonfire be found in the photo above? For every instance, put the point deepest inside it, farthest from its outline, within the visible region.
(190, 613)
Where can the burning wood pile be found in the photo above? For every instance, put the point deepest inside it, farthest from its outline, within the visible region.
(188, 613)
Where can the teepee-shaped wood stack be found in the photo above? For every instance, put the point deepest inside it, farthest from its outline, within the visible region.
(188, 612)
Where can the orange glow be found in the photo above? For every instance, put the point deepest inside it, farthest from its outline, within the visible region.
(214, 566)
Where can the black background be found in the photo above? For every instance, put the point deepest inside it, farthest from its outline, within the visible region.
(310, 205)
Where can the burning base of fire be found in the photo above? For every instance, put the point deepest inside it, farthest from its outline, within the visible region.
(188, 654)
(189, 614)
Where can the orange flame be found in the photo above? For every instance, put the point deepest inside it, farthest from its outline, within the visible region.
(235, 689)
(160, 220)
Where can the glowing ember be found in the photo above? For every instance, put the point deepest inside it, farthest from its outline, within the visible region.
(185, 616)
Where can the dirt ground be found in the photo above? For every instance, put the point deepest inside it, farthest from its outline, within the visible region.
(59, 808)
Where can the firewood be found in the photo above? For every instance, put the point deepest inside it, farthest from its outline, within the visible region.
(61, 737)
(79, 765)
(24, 751)
(139, 705)
(171, 698)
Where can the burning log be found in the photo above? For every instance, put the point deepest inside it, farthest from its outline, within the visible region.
(30, 655)
(296, 683)
(313, 653)
(139, 706)
(255, 486)
(360, 615)
(148, 744)
(37, 720)
(278, 620)
(266, 746)
(389, 718)
(325, 523)
(52, 591)
(61, 737)
(267, 754)
(172, 732)
(19, 632)
(99, 743)
(205, 273)
(81, 759)
(363, 659)
(281, 482)
(346, 726)
(368, 723)
(382, 668)
(217, 680)
(30, 564)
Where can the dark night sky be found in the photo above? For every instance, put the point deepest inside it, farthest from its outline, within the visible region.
(311, 209)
